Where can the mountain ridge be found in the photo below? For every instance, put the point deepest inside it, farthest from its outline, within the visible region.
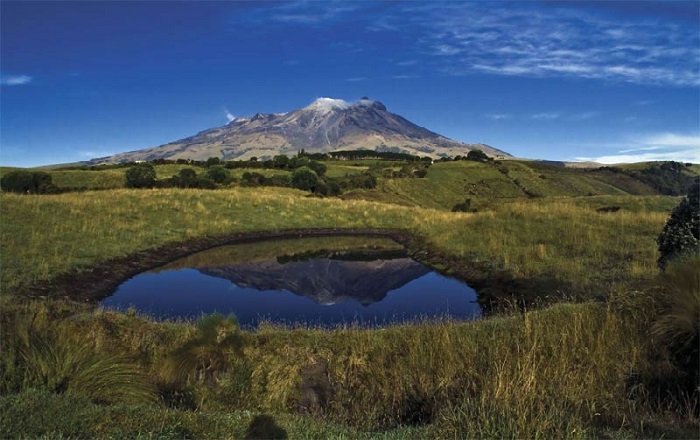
(325, 125)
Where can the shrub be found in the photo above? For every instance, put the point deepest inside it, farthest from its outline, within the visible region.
(206, 183)
(465, 206)
(31, 182)
(141, 175)
(681, 234)
(218, 174)
(280, 161)
(305, 179)
(477, 155)
(318, 168)
(212, 161)
(187, 178)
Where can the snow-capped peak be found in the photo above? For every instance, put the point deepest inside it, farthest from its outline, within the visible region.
(328, 104)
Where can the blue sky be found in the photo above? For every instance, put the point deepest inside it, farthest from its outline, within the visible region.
(567, 80)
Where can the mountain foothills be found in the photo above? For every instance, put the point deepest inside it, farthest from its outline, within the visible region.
(325, 125)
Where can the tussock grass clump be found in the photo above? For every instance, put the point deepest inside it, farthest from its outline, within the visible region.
(207, 354)
(678, 326)
(42, 355)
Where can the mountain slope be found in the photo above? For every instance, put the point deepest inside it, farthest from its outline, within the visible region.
(323, 126)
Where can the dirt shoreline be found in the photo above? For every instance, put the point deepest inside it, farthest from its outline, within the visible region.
(95, 282)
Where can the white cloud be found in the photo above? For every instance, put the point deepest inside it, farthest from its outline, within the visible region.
(546, 42)
(356, 79)
(583, 116)
(229, 115)
(657, 147)
(674, 140)
(632, 150)
(546, 116)
(15, 80)
(498, 116)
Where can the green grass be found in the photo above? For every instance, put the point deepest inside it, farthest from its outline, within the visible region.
(564, 238)
(571, 370)
(449, 183)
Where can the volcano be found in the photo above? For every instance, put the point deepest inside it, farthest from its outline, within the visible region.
(326, 125)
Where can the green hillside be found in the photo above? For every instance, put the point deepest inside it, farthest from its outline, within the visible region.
(449, 183)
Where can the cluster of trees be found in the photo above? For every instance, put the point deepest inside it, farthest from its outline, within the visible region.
(28, 182)
(143, 175)
(307, 179)
(381, 155)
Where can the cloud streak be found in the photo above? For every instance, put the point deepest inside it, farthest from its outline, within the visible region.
(664, 146)
(518, 38)
(549, 42)
(15, 80)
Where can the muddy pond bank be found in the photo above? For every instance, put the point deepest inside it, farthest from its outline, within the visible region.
(497, 290)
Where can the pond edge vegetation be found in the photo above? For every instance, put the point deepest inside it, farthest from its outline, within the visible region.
(92, 283)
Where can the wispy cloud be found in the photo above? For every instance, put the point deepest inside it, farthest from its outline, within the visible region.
(531, 39)
(229, 115)
(664, 146)
(498, 116)
(15, 80)
(546, 116)
(583, 116)
(522, 40)
(308, 12)
(356, 79)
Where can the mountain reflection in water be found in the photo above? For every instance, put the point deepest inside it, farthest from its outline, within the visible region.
(369, 286)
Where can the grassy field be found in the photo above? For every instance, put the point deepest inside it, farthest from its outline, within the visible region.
(565, 238)
(591, 369)
(449, 183)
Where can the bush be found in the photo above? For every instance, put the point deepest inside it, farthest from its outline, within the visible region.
(28, 182)
(465, 206)
(304, 179)
(218, 174)
(206, 183)
(212, 161)
(318, 168)
(141, 175)
(681, 234)
(477, 155)
(187, 178)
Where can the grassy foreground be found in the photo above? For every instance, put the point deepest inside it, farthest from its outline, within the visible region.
(580, 370)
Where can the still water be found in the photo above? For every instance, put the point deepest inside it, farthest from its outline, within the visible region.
(314, 282)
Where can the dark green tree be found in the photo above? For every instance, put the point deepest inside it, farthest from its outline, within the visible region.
(187, 178)
(141, 175)
(218, 174)
(27, 182)
(681, 234)
(317, 167)
(305, 179)
(281, 161)
(477, 155)
(212, 161)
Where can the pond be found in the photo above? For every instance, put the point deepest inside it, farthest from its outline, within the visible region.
(322, 281)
